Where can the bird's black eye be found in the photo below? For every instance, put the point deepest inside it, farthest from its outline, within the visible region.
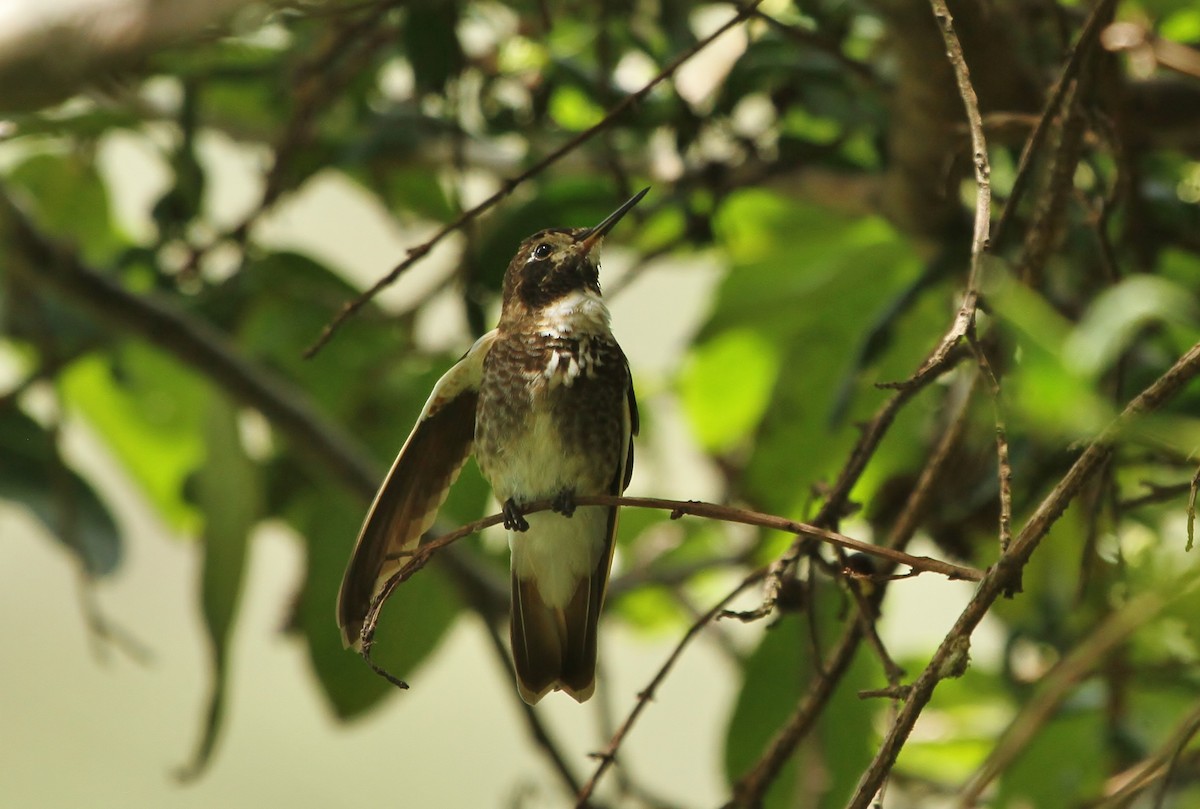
(543, 250)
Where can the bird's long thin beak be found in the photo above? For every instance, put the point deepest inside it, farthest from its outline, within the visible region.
(592, 237)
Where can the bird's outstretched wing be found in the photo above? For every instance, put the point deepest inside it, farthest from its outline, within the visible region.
(408, 501)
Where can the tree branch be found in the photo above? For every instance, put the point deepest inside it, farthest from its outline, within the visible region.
(1156, 768)
(1087, 40)
(421, 556)
(964, 321)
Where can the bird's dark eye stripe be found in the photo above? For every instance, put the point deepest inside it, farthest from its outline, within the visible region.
(543, 250)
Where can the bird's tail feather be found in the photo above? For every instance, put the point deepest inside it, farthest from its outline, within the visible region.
(554, 649)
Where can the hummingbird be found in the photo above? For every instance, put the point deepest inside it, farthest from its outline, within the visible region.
(546, 402)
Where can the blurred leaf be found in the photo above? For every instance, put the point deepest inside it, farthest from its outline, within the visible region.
(726, 386)
(1061, 765)
(1118, 314)
(418, 190)
(228, 496)
(34, 474)
(281, 302)
(773, 680)
(149, 411)
(71, 202)
(653, 609)
(573, 110)
(810, 283)
(412, 623)
(974, 708)
(1182, 26)
(1043, 388)
(431, 43)
(776, 675)
(797, 266)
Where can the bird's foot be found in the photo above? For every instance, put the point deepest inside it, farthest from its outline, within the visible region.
(564, 503)
(514, 520)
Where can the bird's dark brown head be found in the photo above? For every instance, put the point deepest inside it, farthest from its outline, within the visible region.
(555, 262)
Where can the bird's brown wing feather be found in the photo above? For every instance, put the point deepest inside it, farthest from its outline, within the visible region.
(408, 501)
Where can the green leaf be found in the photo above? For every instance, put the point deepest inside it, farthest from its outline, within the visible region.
(809, 283)
(149, 410)
(1119, 314)
(573, 110)
(34, 474)
(776, 675)
(726, 386)
(1063, 764)
(228, 495)
(1054, 395)
(284, 299)
(418, 190)
(974, 708)
(432, 45)
(412, 623)
(70, 201)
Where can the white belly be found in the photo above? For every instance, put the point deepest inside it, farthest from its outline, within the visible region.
(560, 551)
(536, 464)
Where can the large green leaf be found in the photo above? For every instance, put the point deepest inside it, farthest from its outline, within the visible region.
(283, 300)
(1063, 763)
(413, 622)
(726, 386)
(776, 675)
(809, 283)
(70, 201)
(773, 679)
(228, 493)
(149, 410)
(34, 474)
(1118, 314)
(974, 709)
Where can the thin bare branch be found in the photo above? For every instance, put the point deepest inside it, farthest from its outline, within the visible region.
(1193, 487)
(839, 495)
(964, 320)
(1003, 465)
(1122, 788)
(1088, 37)
(421, 556)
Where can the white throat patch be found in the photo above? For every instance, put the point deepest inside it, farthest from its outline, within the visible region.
(575, 314)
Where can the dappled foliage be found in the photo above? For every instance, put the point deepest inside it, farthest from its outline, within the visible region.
(819, 155)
